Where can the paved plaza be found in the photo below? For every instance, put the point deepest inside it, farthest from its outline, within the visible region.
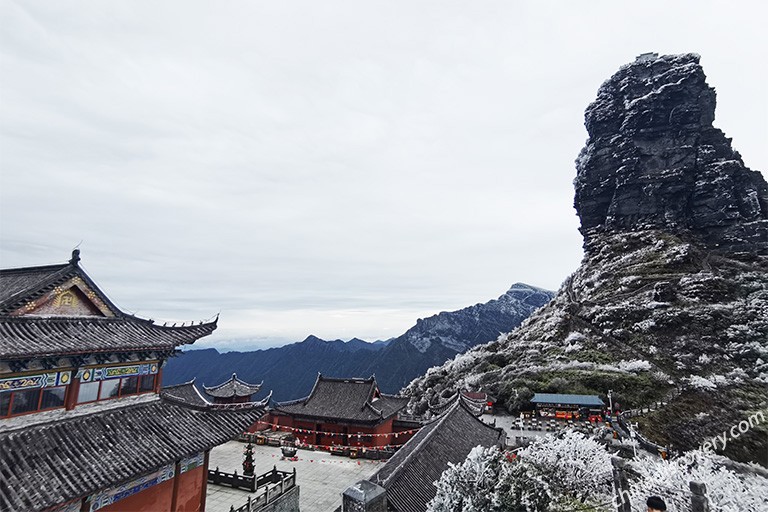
(321, 476)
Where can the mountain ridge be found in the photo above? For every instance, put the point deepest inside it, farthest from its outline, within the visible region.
(290, 370)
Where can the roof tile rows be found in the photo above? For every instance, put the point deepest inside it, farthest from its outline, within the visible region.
(57, 461)
(409, 475)
(29, 335)
(354, 400)
(16, 283)
(26, 336)
(233, 387)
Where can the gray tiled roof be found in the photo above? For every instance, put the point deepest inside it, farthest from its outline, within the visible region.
(189, 395)
(565, 399)
(27, 336)
(24, 336)
(409, 475)
(19, 285)
(185, 394)
(352, 400)
(16, 281)
(50, 463)
(233, 387)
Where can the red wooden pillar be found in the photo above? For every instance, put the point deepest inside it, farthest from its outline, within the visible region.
(70, 399)
(158, 380)
(203, 494)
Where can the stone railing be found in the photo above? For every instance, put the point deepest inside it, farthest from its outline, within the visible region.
(233, 480)
(271, 485)
(626, 430)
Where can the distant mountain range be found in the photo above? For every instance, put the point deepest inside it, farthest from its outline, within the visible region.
(290, 371)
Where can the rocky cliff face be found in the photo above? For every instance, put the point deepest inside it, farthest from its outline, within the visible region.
(671, 299)
(438, 338)
(465, 328)
(654, 160)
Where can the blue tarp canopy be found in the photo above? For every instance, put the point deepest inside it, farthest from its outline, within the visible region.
(563, 399)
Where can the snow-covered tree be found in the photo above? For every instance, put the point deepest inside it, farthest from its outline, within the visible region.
(576, 466)
(727, 490)
(556, 472)
(487, 482)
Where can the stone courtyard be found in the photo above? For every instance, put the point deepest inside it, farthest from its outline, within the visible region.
(321, 477)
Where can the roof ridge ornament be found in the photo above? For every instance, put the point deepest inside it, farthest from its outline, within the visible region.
(75, 256)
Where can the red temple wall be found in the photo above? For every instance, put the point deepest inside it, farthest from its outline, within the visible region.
(287, 423)
(190, 490)
(401, 438)
(304, 437)
(157, 498)
(329, 439)
(267, 422)
(374, 440)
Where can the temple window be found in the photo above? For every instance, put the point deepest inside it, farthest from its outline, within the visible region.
(52, 397)
(129, 386)
(147, 383)
(109, 389)
(89, 392)
(24, 401)
(114, 388)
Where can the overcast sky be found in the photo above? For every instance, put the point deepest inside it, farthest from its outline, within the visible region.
(329, 168)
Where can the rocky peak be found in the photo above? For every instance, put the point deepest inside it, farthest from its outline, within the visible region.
(671, 299)
(653, 160)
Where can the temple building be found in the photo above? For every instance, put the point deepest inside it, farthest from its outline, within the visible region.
(342, 412)
(84, 424)
(405, 482)
(565, 406)
(233, 391)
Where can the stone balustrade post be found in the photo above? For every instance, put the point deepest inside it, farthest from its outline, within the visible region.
(364, 496)
(699, 500)
(620, 485)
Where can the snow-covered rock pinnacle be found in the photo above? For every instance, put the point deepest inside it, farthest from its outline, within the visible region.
(654, 160)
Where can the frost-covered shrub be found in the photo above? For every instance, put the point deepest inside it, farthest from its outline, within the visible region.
(461, 362)
(571, 472)
(701, 383)
(554, 473)
(727, 491)
(574, 337)
(636, 365)
(574, 465)
(572, 348)
(487, 482)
